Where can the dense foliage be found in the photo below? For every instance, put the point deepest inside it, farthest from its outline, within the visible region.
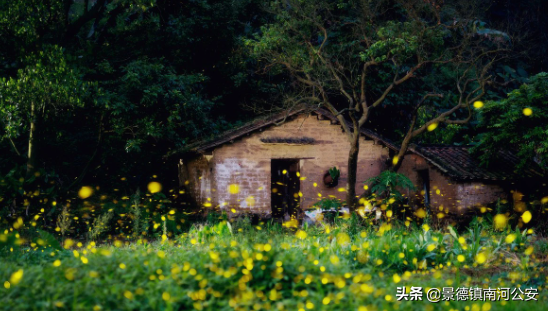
(518, 123)
(223, 266)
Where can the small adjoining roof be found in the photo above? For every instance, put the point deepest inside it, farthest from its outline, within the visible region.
(457, 163)
(454, 161)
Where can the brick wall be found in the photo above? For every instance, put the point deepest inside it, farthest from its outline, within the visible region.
(478, 194)
(247, 163)
(445, 194)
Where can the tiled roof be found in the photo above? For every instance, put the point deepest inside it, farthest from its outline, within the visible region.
(459, 164)
(262, 122)
(454, 161)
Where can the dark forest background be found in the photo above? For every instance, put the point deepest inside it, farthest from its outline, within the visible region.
(112, 89)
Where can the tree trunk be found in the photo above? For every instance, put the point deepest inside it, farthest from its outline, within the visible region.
(352, 172)
(31, 159)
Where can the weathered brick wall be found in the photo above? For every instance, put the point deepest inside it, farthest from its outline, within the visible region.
(247, 163)
(478, 194)
(443, 192)
(195, 177)
(452, 196)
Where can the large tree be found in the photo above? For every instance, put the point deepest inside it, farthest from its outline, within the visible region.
(46, 85)
(354, 56)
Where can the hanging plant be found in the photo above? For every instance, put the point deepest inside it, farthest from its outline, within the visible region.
(331, 177)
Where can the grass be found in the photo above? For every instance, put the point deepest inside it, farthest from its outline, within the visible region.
(223, 266)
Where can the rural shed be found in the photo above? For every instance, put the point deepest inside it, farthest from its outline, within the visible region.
(278, 164)
(449, 179)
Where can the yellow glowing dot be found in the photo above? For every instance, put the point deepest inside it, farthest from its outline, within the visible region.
(122, 266)
(334, 259)
(396, 278)
(233, 189)
(166, 296)
(16, 277)
(432, 126)
(421, 213)
(526, 217)
(301, 234)
(527, 111)
(250, 201)
(128, 294)
(426, 227)
(478, 104)
(388, 297)
(154, 187)
(57, 263)
(7, 284)
(315, 184)
(481, 258)
(85, 192)
(394, 162)
(500, 221)
(365, 187)
(461, 258)
(510, 238)
(431, 247)
(389, 213)
(528, 251)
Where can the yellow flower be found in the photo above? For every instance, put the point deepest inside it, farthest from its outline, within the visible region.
(301, 234)
(481, 258)
(343, 239)
(461, 258)
(510, 238)
(528, 251)
(500, 221)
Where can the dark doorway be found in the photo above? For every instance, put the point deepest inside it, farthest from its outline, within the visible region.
(285, 188)
(424, 184)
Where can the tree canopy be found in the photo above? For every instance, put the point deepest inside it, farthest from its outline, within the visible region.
(518, 123)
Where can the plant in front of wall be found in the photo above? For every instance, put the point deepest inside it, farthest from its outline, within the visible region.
(334, 173)
(331, 178)
(386, 187)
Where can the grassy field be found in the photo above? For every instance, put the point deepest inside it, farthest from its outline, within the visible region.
(240, 266)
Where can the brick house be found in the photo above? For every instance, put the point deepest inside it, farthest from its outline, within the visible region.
(278, 164)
